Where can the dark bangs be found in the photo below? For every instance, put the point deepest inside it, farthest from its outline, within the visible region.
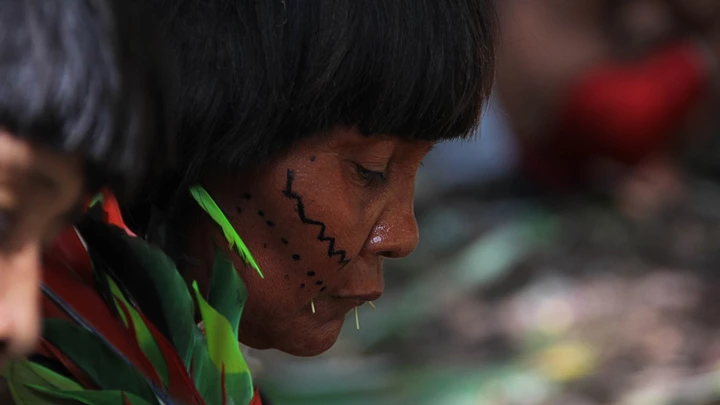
(420, 69)
(258, 75)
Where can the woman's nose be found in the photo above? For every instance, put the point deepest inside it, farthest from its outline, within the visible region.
(396, 234)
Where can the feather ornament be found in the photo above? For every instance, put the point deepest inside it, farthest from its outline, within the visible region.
(135, 324)
(33, 384)
(140, 345)
(211, 208)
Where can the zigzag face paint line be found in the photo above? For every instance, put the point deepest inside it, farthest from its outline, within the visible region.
(290, 193)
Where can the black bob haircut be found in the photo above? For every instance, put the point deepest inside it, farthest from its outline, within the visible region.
(87, 76)
(257, 75)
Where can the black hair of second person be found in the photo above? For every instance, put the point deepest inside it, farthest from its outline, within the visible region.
(90, 77)
(259, 75)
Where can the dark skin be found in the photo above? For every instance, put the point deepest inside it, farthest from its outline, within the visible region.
(319, 220)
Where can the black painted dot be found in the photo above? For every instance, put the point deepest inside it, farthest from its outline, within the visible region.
(311, 273)
(302, 285)
(265, 245)
(284, 241)
(323, 289)
(270, 223)
(312, 158)
(286, 277)
(239, 210)
(319, 282)
(296, 257)
(247, 196)
(261, 213)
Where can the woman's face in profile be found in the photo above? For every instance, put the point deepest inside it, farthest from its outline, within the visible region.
(319, 220)
(39, 194)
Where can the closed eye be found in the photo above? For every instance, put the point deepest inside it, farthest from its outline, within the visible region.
(371, 177)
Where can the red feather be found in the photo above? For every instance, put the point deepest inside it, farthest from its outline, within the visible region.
(256, 399)
(222, 385)
(51, 310)
(90, 306)
(113, 215)
(69, 250)
(180, 385)
(69, 275)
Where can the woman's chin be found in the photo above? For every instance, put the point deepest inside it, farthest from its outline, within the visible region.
(301, 341)
(311, 344)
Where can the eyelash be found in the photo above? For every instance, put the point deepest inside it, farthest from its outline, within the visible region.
(371, 177)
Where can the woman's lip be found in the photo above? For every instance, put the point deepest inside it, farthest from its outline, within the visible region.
(360, 297)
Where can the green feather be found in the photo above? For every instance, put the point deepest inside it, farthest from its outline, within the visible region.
(21, 374)
(98, 198)
(239, 387)
(227, 296)
(227, 290)
(89, 397)
(175, 299)
(205, 374)
(208, 205)
(105, 367)
(221, 341)
(143, 335)
(224, 351)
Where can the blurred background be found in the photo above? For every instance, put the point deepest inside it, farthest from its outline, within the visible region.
(570, 251)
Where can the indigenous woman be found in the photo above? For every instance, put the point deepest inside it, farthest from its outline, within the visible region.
(306, 122)
(302, 126)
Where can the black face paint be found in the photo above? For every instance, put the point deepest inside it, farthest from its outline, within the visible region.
(302, 285)
(319, 282)
(270, 223)
(311, 274)
(239, 210)
(286, 277)
(261, 213)
(290, 193)
(296, 257)
(247, 196)
(284, 241)
(312, 158)
(323, 289)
